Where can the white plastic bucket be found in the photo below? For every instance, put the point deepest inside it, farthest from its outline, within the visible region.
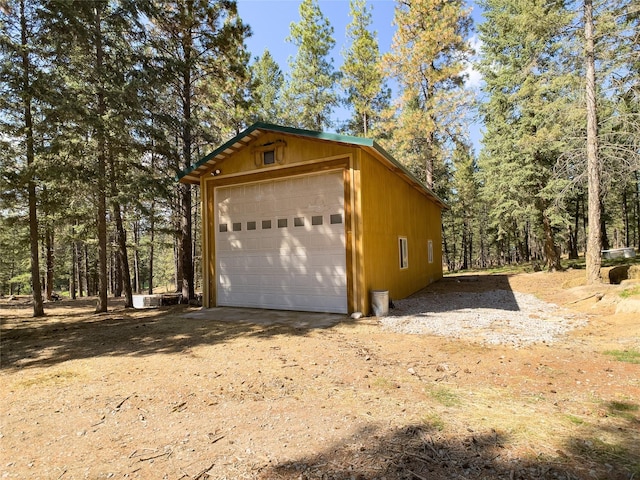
(380, 302)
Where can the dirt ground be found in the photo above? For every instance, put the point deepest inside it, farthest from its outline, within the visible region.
(151, 394)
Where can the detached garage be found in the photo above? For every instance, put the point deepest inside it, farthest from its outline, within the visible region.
(301, 220)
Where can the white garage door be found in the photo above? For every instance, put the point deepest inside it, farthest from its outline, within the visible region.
(280, 244)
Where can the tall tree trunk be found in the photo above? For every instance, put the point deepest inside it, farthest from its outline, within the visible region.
(36, 286)
(429, 162)
(527, 242)
(177, 263)
(184, 190)
(186, 257)
(116, 269)
(483, 257)
(152, 229)
(604, 236)
(78, 254)
(470, 243)
(520, 240)
(551, 256)
(594, 245)
(87, 270)
(101, 218)
(570, 245)
(550, 251)
(585, 223)
(151, 241)
(72, 273)
(445, 248)
(50, 260)
(625, 214)
(464, 247)
(136, 257)
(637, 195)
(454, 248)
(573, 235)
(123, 259)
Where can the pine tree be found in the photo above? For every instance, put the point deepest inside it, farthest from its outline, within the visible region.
(310, 94)
(611, 49)
(197, 44)
(21, 76)
(466, 200)
(97, 123)
(529, 94)
(603, 118)
(231, 108)
(266, 94)
(362, 76)
(429, 55)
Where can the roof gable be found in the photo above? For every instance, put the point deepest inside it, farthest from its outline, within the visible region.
(242, 140)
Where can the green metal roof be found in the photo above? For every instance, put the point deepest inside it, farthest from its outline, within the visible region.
(195, 171)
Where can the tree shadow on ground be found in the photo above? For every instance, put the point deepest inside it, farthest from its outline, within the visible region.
(422, 452)
(613, 445)
(459, 292)
(68, 335)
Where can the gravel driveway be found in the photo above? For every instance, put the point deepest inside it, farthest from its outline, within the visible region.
(490, 317)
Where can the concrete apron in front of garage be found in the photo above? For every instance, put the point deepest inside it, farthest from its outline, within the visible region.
(258, 316)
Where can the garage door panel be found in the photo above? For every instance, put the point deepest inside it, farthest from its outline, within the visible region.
(312, 303)
(301, 266)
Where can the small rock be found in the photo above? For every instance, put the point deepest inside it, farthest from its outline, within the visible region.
(411, 371)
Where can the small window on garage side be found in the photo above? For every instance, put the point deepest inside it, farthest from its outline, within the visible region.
(430, 250)
(266, 224)
(282, 223)
(404, 252)
(223, 227)
(251, 225)
(298, 222)
(336, 218)
(237, 227)
(316, 220)
(269, 157)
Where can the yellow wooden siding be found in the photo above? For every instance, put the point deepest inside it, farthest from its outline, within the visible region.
(391, 208)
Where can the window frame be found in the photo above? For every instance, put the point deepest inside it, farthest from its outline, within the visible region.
(272, 159)
(278, 147)
(403, 253)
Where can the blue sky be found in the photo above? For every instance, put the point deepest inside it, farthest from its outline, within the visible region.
(270, 20)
